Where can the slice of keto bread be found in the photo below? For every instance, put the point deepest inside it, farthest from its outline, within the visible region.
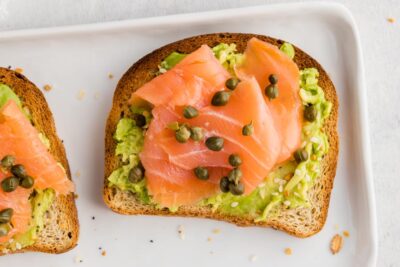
(61, 229)
(300, 222)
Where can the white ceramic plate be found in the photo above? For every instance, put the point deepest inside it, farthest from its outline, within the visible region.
(79, 58)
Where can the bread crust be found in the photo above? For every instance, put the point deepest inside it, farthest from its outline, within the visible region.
(61, 230)
(299, 222)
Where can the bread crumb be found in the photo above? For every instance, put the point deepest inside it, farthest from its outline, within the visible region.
(336, 244)
(110, 76)
(103, 253)
(253, 258)
(346, 233)
(47, 87)
(216, 231)
(78, 259)
(288, 251)
(19, 70)
(234, 204)
(209, 239)
(181, 232)
(81, 94)
(78, 174)
(76, 196)
(391, 20)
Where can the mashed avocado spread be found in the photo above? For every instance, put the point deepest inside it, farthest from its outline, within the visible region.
(286, 185)
(40, 200)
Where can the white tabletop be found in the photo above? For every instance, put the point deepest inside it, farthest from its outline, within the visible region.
(380, 41)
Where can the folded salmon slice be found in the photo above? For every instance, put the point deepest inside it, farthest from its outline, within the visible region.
(19, 138)
(262, 59)
(169, 184)
(259, 151)
(193, 81)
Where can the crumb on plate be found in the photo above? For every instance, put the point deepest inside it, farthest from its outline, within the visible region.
(47, 87)
(110, 76)
(288, 251)
(391, 20)
(78, 259)
(346, 233)
(216, 231)
(103, 253)
(181, 232)
(336, 244)
(209, 239)
(81, 94)
(253, 258)
(19, 70)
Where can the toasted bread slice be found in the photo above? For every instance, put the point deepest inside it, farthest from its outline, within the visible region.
(61, 228)
(300, 222)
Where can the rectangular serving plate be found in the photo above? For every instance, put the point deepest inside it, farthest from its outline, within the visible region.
(76, 61)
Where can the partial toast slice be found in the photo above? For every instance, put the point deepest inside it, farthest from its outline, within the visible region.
(300, 222)
(61, 228)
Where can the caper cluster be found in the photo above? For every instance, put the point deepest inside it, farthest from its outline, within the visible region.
(231, 182)
(183, 132)
(271, 91)
(19, 176)
(221, 98)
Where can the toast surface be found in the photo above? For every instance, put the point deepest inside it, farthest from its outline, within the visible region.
(300, 222)
(61, 228)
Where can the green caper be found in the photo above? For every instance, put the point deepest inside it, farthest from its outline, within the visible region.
(224, 184)
(310, 113)
(190, 112)
(182, 134)
(18, 171)
(4, 229)
(234, 160)
(10, 184)
(27, 182)
(300, 155)
(235, 175)
(215, 143)
(136, 174)
(196, 133)
(232, 83)
(7, 161)
(5, 215)
(236, 189)
(273, 79)
(220, 98)
(248, 129)
(272, 91)
(201, 173)
(140, 120)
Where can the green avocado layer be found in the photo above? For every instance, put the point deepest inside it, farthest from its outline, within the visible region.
(40, 200)
(287, 185)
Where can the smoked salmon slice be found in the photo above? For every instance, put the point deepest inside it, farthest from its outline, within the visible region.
(262, 59)
(277, 124)
(193, 81)
(19, 138)
(168, 183)
(258, 151)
